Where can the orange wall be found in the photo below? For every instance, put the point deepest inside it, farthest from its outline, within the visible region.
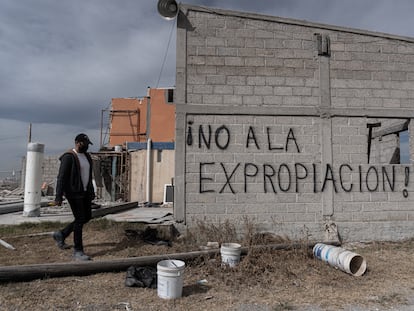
(128, 119)
(125, 121)
(162, 117)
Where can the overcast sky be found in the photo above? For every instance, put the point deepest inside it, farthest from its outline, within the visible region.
(61, 62)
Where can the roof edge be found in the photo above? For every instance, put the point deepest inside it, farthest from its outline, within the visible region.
(290, 21)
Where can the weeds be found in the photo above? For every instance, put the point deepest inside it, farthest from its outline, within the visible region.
(27, 227)
(267, 258)
(203, 233)
(275, 277)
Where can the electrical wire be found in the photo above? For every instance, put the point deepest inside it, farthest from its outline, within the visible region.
(165, 55)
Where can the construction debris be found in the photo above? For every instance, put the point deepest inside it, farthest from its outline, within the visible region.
(141, 277)
(6, 245)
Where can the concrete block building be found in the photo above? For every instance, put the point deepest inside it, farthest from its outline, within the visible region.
(293, 125)
(140, 119)
(146, 167)
(125, 168)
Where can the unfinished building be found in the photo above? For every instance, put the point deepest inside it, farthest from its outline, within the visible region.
(294, 126)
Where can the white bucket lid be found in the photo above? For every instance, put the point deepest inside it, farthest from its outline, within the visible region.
(171, 263)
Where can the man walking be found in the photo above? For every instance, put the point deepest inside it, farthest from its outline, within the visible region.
(74, 181)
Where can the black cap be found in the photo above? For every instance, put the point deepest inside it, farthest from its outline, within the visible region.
(84, 138)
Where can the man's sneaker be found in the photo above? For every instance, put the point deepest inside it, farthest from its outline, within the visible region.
(60, 241)
(79, 255)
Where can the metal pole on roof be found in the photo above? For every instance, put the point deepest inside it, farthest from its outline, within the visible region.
(148, 116)
(30, 133)
(100, 139)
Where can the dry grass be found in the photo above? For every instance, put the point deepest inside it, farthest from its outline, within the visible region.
(287, 279)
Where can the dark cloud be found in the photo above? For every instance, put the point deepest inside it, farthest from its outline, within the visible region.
(82, 114)
(62, 61)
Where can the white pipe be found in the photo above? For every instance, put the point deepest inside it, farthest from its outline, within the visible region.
(33, 180)
(341, 258)
(7, 245)
(149, 170)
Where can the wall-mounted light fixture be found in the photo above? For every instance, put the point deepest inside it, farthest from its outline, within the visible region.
(167, 8)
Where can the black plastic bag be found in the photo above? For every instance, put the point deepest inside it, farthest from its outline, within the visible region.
(141, 277)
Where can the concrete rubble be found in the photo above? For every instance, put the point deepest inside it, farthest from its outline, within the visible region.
(12, 203)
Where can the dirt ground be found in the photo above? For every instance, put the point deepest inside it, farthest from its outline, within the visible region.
(264, 280)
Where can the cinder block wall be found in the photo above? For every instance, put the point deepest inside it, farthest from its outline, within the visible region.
(272, 120)
(50, 170)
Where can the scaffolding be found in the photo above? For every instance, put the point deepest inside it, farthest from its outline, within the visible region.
(107, 131)
(112, 175)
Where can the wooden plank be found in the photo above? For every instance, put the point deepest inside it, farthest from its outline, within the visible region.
(391, 129)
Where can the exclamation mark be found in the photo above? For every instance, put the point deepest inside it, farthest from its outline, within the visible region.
(406, 180)
(190, 134)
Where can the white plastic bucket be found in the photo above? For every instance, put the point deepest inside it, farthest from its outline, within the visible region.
(230, 254)
(341, 258)
(170, 278)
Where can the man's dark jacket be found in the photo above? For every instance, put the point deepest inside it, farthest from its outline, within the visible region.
(69, 182)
